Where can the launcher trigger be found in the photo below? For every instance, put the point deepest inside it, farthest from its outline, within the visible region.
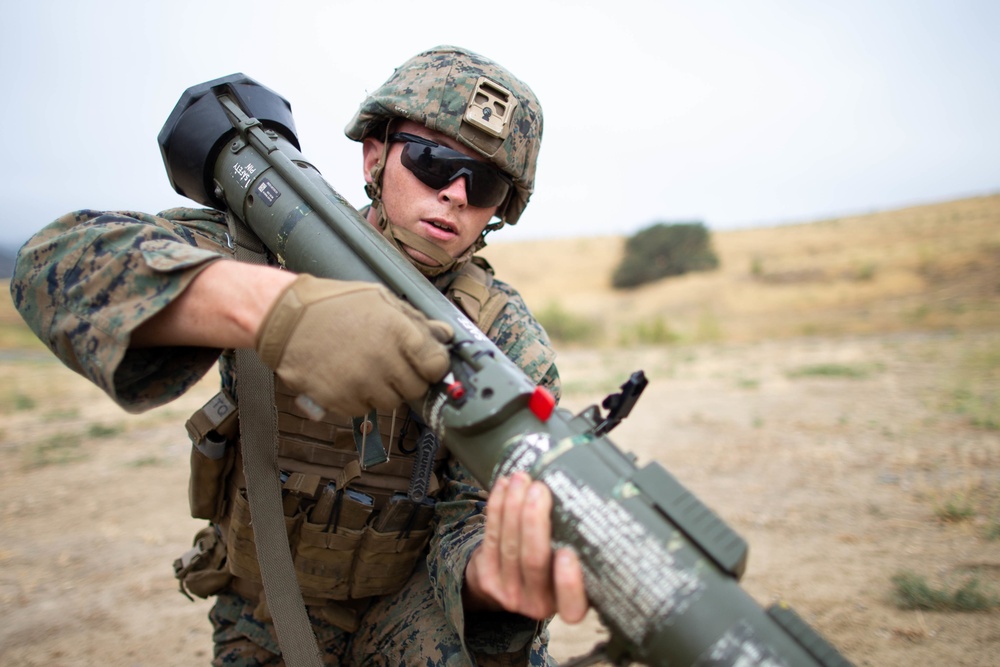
(620, 405)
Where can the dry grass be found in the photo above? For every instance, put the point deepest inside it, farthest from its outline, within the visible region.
(931, 267)
(844, 461)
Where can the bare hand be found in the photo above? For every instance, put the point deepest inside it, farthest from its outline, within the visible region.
(515, 568)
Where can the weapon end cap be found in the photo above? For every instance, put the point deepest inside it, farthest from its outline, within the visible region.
(197, 128)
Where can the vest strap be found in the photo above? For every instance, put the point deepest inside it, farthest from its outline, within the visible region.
(472, 290)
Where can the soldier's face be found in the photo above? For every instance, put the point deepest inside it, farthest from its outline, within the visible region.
(444, 217)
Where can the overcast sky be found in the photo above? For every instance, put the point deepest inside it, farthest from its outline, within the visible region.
(733, 112)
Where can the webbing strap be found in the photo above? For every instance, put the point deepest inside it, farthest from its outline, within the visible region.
(259, 437)
(406, 237)
(470, 290)
(474, 288)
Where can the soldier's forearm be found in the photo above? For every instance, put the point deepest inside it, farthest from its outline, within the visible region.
(222, 307)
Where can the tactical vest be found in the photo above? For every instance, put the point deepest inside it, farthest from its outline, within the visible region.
(355, 530)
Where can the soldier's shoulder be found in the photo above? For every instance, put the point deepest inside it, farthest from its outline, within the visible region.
(520, 335)
(503, 286)
(193, 215)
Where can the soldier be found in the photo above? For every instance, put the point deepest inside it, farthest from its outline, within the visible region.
(144, 305)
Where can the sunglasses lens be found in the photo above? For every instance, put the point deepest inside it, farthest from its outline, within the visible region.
(437, 166)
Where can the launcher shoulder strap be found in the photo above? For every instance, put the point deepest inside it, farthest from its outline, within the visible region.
(259, 438)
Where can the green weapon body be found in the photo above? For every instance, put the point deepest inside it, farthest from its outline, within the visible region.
(661, 568)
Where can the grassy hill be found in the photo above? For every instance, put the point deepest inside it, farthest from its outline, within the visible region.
(7, 261)
(929, 267)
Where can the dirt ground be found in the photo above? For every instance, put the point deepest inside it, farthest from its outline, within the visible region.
(838, 479)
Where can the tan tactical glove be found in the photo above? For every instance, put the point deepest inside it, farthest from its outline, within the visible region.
(352, 346)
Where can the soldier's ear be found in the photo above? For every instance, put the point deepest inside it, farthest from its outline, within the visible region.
(372, 151)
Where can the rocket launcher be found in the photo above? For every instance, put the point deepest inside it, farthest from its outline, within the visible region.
(661, 569)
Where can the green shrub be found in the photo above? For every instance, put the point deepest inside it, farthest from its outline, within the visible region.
(104, 430)
(565, 327)
(58, 449)
(146, 461)
(955, 509)
(992, 530)
(833, 370)
(911, 591)
(976, 395)
(664, 249)
(654, 331)
(24, 402)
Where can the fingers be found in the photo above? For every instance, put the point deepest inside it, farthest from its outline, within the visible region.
(422, 342)
(425, 349)
(535, 556)
(510, 544)
(517, 565)
(525, 555)
(441, 331)
(351, 346)
(571, 596)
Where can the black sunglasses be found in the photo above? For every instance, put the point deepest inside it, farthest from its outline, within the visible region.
(436, 166)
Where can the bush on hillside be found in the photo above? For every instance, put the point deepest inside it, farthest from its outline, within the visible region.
(565, 327)
(664, 249)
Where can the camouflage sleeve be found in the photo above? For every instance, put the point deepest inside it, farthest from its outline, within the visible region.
(462, 502)
(523, 340)
(85, 282)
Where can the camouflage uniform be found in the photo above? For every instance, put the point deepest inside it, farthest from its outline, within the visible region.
(88, 280)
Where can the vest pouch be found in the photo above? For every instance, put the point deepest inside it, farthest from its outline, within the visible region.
(323, 560)
(202, 569)
(391, 547)
(325, 552)
(241, 549)
(208, 478)
(211, 428)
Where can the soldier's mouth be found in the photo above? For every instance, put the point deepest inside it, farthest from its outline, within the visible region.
(442, 226)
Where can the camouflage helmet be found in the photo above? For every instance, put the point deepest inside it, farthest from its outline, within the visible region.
(472, 100)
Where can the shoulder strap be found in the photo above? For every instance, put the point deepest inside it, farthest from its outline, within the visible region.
(258, 435)
(472, 290)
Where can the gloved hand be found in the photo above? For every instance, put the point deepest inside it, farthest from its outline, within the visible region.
(351, 346)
